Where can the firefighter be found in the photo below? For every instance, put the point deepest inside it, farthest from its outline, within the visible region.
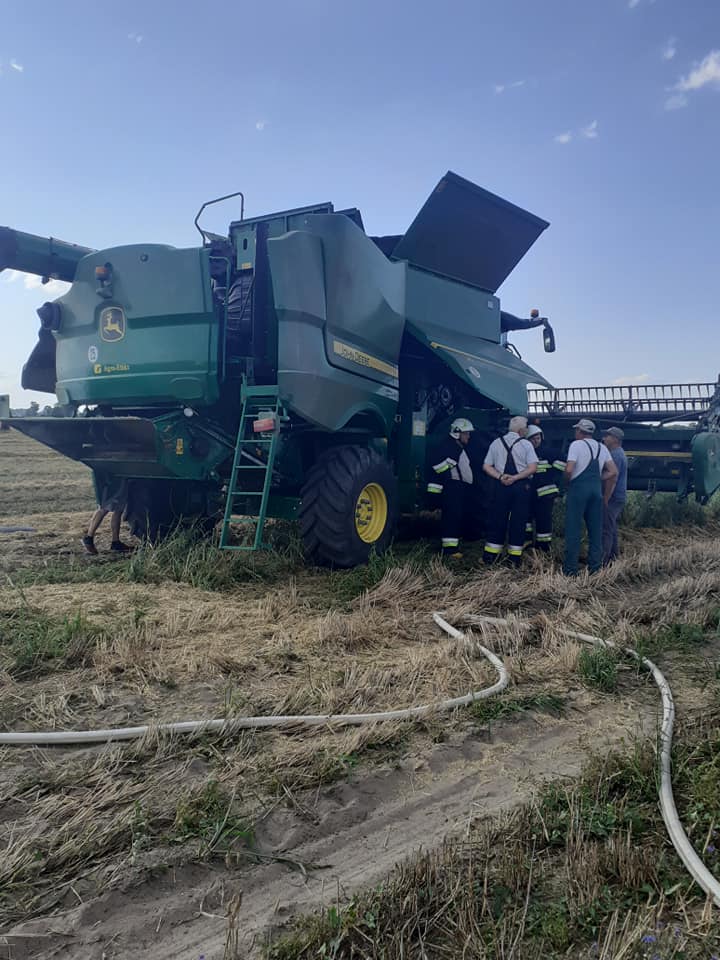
(452, 480)
(511, 461)
(546, 489)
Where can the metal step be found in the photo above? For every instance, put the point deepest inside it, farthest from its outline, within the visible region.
(257, 403)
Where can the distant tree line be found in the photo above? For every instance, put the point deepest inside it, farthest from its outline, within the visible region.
(34, 410)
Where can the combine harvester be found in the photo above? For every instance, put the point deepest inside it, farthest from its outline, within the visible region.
(299, 368)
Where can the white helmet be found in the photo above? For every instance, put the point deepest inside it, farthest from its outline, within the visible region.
(533, 431)
(461, 425)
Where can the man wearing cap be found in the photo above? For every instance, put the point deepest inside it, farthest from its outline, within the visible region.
(613, 505)
(591, 475)
(510, 461)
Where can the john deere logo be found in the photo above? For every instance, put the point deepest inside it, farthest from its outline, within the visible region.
(112, 324)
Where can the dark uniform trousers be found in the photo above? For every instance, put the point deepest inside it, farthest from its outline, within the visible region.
(509, 512)
(456, 496)
(545, 493)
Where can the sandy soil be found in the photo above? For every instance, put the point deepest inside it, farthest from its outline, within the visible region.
(332, 811)
(346, 837)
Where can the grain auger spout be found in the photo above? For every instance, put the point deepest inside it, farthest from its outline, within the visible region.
(50, 259)
(43, 256)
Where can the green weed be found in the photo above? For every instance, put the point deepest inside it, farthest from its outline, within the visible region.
(599, 668)
(498, 708)
(683, 637)
(345, 586)
(208, 816)
(31, 640)
(183, 557)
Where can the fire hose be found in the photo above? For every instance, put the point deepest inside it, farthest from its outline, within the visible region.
(684, 848)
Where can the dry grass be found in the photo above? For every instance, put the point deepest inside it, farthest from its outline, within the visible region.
(585, 870)
(162, 650)
(173, 653)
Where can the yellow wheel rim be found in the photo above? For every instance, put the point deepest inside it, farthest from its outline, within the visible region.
(371, 511)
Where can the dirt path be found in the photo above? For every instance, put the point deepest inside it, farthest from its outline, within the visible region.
(355, 831)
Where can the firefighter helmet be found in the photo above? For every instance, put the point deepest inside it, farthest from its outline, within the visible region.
(461, 425)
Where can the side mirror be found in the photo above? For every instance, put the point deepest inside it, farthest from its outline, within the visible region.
(548, 338)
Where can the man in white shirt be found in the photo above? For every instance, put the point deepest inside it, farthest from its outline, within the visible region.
(591, 475)
(510, 461)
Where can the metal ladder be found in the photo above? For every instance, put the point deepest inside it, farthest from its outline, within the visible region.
(252, 469)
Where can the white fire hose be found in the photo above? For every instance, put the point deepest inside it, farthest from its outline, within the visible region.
(59, 737)
(694, 865)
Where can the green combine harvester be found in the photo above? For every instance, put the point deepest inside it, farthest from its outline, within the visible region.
(298, 368)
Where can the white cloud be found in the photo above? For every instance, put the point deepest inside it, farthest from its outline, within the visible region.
(501, 87)
(54, 288)
(676, 101)
(670, 49)
(260, 124)
(136, 37)
(588, 132)
(634, 379)
(705, 73)
(17, 66)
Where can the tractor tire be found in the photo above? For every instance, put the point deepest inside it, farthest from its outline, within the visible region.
(157, 508)
(348, 507)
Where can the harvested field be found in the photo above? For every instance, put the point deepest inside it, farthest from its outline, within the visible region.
(213, 845)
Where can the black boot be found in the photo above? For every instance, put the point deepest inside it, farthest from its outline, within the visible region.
(117, 546)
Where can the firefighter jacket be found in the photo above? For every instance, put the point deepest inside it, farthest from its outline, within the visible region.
(548, 478)
(452, 466)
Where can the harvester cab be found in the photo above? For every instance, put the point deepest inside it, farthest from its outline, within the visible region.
(295, 368)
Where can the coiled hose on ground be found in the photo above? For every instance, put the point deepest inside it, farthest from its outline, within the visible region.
(694, 865)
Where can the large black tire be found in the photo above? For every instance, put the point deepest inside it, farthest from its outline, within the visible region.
(158, 507)
(338, 526)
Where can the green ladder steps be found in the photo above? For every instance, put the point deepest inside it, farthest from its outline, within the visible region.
(250, 483)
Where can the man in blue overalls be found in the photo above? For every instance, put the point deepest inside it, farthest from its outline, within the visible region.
(589, 469)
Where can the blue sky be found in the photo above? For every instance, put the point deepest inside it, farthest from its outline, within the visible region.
(602, 116)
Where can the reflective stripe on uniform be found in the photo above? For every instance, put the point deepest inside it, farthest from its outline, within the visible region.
(515, 551)
(493, 548)
(434, 488)
(547, 490)
(559, 464)
(544, 537)
(446, 464)
(543, 466)
(450, 541)
(528, 528)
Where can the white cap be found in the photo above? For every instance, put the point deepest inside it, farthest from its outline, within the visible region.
(533, 431)
(586, 426)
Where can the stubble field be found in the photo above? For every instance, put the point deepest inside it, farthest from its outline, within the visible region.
(524, 825)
